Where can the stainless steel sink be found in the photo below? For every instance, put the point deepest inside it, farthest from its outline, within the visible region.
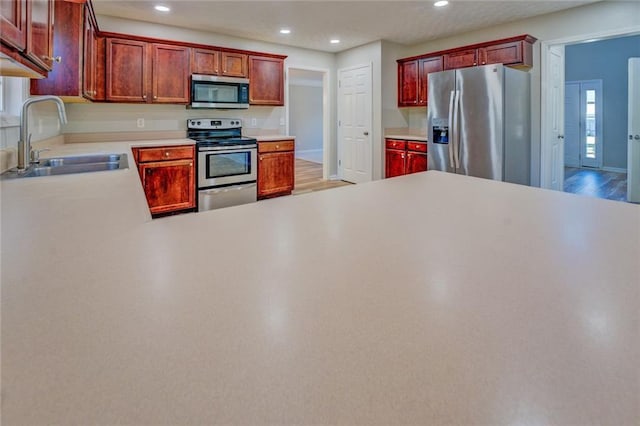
(80, 159)
(72, 165)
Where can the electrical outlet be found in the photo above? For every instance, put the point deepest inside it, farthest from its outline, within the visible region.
(254, 122)
(140, 123)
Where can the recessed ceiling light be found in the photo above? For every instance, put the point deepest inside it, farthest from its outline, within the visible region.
(285, 31)
(334, 41)
(160, 8)
(441, 3)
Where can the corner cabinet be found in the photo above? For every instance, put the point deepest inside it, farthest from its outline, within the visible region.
(266, 75)
(168, 177)
(136, 71)
(403, 157)
(275, 168)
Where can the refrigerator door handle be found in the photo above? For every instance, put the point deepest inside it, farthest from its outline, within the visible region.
(451, 128)
(456, 133)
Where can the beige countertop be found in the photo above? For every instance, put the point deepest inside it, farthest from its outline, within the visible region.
(429, 299)
(270, 138)
(407, 137)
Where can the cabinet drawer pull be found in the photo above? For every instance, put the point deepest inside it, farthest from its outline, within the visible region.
(277, 146)
(166, 153)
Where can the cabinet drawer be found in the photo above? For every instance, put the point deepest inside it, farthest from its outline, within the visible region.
(160, 153)
(395, 144)
(276, 146)
(417, 146)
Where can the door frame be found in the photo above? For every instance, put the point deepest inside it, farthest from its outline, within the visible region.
(545, 143)
(327, 154)
(372, 131)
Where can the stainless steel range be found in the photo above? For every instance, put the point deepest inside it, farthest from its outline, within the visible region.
(227, 162)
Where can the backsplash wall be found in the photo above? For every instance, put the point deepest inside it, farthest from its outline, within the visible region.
(107, 118)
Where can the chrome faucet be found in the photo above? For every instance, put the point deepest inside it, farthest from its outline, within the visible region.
(24, 144)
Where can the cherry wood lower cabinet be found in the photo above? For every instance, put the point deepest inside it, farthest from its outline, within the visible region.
(275, 168)
(168, 177)
(403, 157)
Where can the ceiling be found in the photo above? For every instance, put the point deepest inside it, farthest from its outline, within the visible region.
(314, 23)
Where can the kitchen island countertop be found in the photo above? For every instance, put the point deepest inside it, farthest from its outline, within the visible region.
(430, 298)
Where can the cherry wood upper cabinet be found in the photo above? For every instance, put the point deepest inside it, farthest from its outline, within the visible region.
(413, 80)
(427, 66)
(170, 73)
(408, 83)
(26, 31)
(518, 53)
(93, 67)
(138, 71)
(204, 61)
(13, 21)
(40, 32)
(234, 64)
(75, 42)
(126, 70)
(266, 81)
(461, 59)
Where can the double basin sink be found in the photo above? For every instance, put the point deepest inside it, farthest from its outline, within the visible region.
(72, 165)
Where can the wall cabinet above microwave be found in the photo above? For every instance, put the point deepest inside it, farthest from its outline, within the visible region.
(216, 62)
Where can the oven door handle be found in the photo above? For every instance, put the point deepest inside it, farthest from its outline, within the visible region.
(235, 148)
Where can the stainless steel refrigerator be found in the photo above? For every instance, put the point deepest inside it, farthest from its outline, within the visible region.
(479, 123)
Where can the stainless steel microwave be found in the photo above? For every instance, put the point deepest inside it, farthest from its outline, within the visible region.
(210, 91)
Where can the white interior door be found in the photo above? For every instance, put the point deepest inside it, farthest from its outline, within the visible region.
(572, 124)
(633, 152)
(354, 124)
(552, 152)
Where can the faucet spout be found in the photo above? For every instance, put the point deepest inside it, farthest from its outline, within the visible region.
(24, 144)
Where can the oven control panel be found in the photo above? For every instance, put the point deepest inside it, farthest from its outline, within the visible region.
(214, 123)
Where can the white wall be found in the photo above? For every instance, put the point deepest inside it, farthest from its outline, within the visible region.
(305, 114)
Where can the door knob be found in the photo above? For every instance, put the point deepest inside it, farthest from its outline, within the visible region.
(560, 136)
(637, 137)
(366, 133)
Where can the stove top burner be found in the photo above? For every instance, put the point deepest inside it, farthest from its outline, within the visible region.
(222, 133)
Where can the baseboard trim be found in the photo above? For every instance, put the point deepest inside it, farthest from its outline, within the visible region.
(313, 155)
(614, 169)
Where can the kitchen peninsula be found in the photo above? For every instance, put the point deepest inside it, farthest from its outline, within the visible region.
(430, 298)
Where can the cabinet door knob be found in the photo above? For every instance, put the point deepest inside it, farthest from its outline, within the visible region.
(57, 59)
(155, 96)
(144, 97)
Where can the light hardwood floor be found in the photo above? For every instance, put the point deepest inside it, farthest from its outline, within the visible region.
(308, 178)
